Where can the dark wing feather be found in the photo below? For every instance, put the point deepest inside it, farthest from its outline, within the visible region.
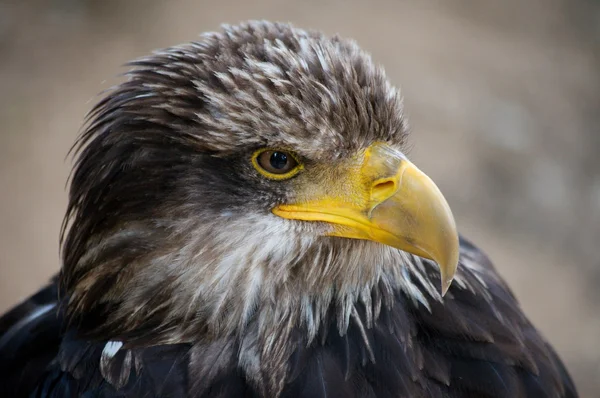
(491, 349)
(159, 371)
(37, 359)
(323, 378)
(30, 335)
(475, 343)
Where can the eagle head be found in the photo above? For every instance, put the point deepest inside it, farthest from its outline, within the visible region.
(250, 180)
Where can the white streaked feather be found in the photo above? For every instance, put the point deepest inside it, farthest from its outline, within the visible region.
(110, 350)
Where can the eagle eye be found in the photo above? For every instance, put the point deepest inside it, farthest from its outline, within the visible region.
(276, 164)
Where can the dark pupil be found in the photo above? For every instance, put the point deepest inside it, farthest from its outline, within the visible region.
(278, 160)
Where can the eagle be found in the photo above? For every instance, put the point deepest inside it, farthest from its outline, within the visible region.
(243, 221)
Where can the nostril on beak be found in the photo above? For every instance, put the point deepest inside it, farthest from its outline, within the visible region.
(383, 189)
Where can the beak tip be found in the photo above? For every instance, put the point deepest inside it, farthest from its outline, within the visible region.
(448, 271)
(445, 286)
(447, 275)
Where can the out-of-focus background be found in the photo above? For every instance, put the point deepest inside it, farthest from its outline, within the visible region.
(504, 100)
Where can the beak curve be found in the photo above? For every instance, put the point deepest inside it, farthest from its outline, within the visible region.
(391, 202)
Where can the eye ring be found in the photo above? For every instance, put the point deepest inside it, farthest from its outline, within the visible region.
(276, 164)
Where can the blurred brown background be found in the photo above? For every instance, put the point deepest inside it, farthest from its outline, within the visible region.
(504, 100)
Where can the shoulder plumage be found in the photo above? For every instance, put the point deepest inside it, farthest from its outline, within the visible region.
(484, 340)
(476, 342)
(29, 337)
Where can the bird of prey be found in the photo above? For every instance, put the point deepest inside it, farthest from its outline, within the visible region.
(243, 222)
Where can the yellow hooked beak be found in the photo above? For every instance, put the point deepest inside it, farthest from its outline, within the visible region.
(381, 196)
